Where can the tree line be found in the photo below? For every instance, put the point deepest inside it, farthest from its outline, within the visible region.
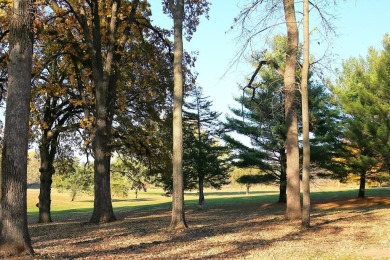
(101, 77)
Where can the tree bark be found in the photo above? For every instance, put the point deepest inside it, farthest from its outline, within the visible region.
(283, 178)
(14, 235)
(201, 194)
(47, 151)
(293, 210)
(104, 78)
(362, 186)
(178, 215)
(47, 171)
(102, 209)
(305, 118)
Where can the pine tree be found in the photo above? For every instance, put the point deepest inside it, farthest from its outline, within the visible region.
(205, 160)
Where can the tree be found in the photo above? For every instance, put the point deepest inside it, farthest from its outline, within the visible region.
(305, 118)
(73, 177)
(105, 32)
(178, 215)
(54, 112)
(363, 91)
(205, 161)
(131, 174)
(185, 15)
(293, 210)
(14, 235)
(261, 118)
(248, 180)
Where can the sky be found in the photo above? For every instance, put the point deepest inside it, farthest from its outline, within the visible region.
(359, 24)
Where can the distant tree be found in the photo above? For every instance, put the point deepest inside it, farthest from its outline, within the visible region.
(249, 180)
(33, 165)
(205, 160)
(131, 175)
(14, 235)
(73, 177)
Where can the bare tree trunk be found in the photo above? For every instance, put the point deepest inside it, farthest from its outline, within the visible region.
(305, 118)
(362, 186)
(201, 193)
(178, 215)
(47, 171)
(14, 235)
(283, 178)
(102, 208)
(293, 210)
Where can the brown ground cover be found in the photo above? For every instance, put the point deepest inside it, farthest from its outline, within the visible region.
(345, 229)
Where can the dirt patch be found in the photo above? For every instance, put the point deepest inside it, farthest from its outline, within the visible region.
(350, 229)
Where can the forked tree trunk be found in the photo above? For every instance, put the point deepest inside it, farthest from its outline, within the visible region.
(14, 235)
(178, 215)
(305, 119)
(293, 210)
(362, 186)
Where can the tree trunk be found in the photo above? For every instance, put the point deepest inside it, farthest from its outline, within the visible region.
(201, 194)
(283, 178)
(104, 78)
(47, 151)
(293, 210)
(247, 189)
(305, 119)
(178, 215)
(14, 235)
(362, 186)
(44, 204)
(102, 209)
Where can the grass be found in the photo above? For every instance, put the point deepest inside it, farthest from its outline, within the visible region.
(82, 206)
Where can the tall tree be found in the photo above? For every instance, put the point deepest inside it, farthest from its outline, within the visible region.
(305, 118)
(205, 161)
(104, 29)
(185, 15)
(14, 235)
(178, 215)
(293, 210)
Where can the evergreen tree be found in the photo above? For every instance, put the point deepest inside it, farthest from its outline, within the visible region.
(260, 117)
(363, 90)
(205, 160)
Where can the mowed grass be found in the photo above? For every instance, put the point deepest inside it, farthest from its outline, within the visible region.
(62, 206)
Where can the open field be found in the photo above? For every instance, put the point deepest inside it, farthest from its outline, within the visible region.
(232, 226)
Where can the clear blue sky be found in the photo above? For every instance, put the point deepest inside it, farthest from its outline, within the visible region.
(359, 25)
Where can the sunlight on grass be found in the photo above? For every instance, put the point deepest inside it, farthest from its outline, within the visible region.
(62, 206)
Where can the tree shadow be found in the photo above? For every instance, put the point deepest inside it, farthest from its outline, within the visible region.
(141, 232)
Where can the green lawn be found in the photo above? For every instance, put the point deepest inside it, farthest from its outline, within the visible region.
(63, 207)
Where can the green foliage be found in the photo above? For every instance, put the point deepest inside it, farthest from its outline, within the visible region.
(363, 89)
(255, 179)
(33, 165)
(204, 159)
(260, 117)
(73, 177)
(128, 174)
